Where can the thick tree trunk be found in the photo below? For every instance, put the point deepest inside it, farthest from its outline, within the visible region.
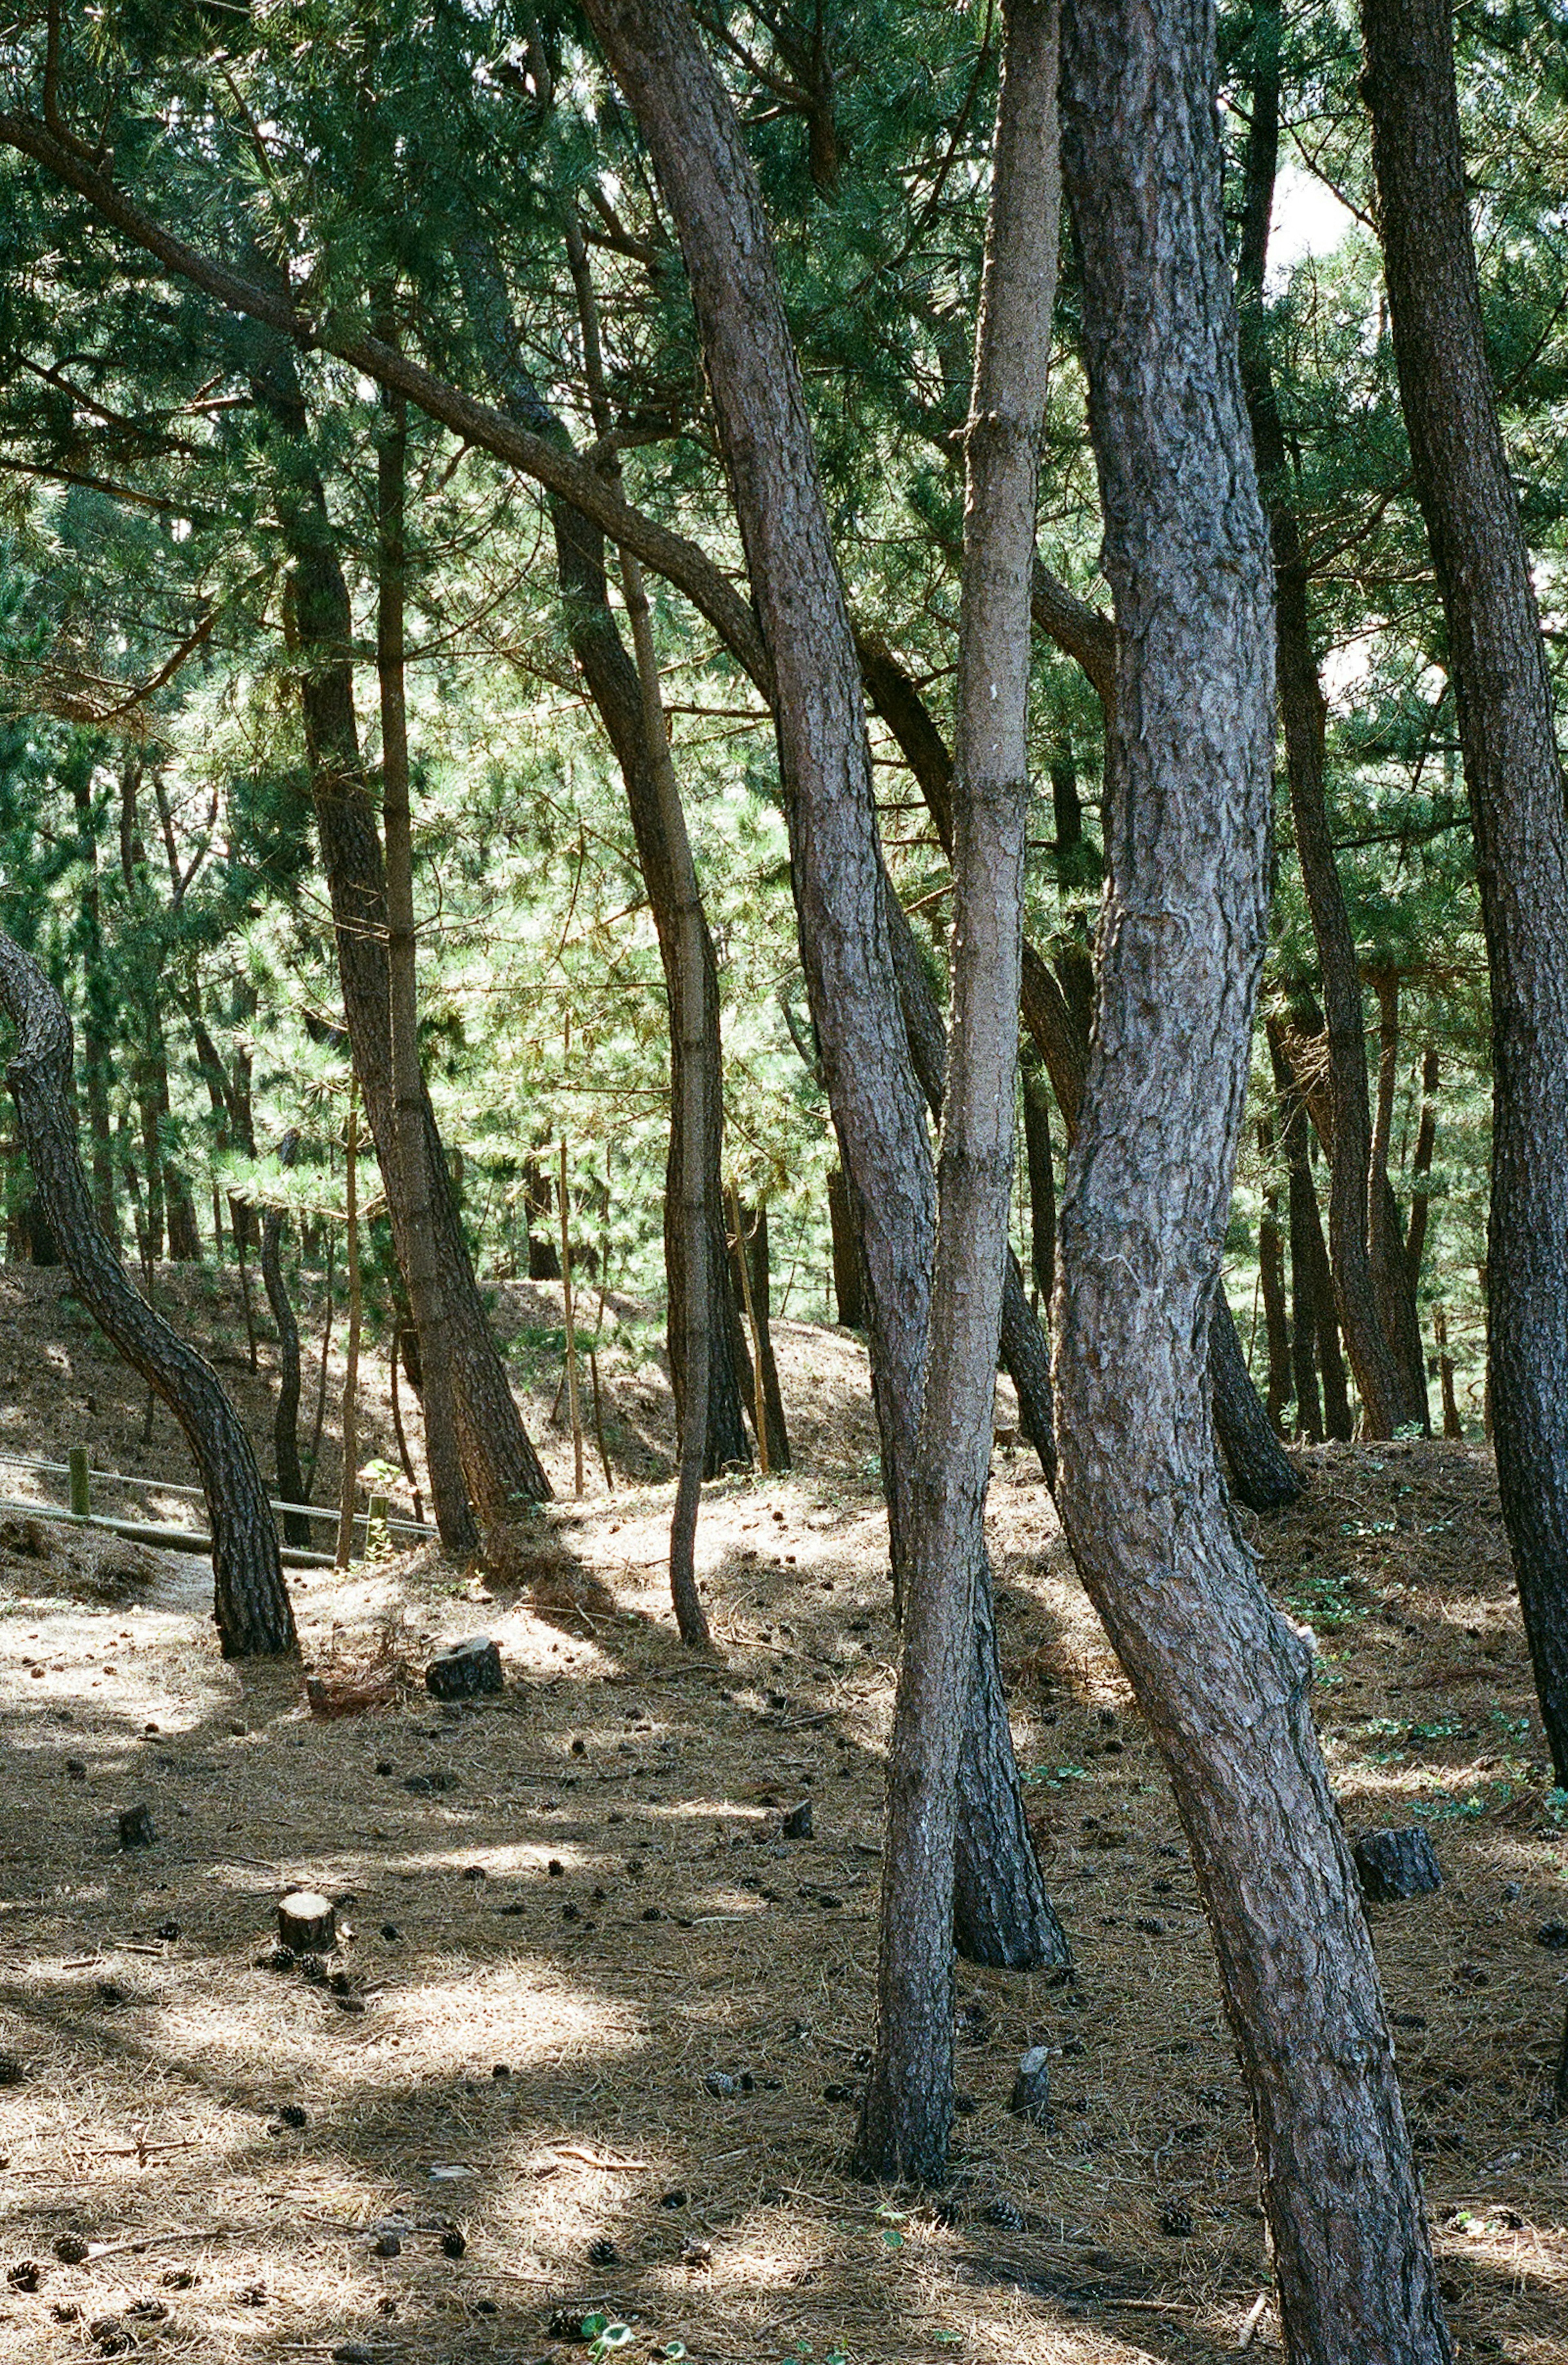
(499, 1465)
(1357, 1291)
(423, 1274)
(664, 855)
(1223, 1681)
(297, 1529)
(1514, 780)
(1260, 1474)
(906, 2119)
(251, 1602)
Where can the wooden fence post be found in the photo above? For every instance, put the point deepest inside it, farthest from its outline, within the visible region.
(81, 1493)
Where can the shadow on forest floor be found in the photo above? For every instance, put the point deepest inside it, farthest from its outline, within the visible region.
(599, 1987)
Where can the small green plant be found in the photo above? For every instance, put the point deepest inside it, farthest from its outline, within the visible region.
(1051, 1778)
(605, 2337)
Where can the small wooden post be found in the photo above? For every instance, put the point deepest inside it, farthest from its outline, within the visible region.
(377, 1513)
(574, 1405)
(81, 1493)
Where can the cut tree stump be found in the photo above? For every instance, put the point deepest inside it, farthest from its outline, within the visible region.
(306, 1923)
(1392, 1864)
(465, 1670)
(1032, 2086)
(135, 1828)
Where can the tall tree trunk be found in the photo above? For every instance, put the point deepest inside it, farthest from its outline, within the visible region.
(848, 1275)
(840, 882)
(907, 2116)
(1513, 779)
(1421, 1167)
(251, 1607)
(1309, 1262)
(1271, 1281)
(1387, 1252)
(1359, 1292)
(753, 1245)
(664, 855)
(1223, 1681)
(96, 998)
(297, 1527)
(499, 1465)
(1260, 1474)
(423, 1274)
(1042, 1175)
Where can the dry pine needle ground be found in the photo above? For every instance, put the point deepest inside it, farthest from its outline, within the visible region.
(588, 1977)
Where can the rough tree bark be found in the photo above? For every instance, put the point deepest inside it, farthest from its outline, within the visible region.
(422, 1274)
(1514, 781)
(1223, 1681)
(1360, 1287)
(297, 1527)
(500, 1463)
(1260, 1474)
(251, 1604)
(906, 2118)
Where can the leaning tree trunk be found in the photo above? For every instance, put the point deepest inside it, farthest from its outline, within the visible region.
(1514, 780)
(837, 870)
(1260, 1475)
(423, 1274)
(500, 1463)
(285, 1414)
(1223, 1682)
(1360, 1288)
(907, 2116)
(250, 1605)
(664, 855)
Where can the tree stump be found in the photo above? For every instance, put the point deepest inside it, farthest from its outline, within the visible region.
(307, 1924)
(135, 1828)
(1032, 2086)
(465, 1669)
(1392, 1864)
(797, 1824)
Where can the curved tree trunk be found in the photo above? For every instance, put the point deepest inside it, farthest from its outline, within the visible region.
(1260, 1474)
(1223, 1681)
(250, 1605)
(906, 2119)
(1514, 780)
(501, 1465)
(839, 879)
(297, 1529)
(658, 826)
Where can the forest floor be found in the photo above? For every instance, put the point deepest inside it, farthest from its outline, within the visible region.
(601, 2019)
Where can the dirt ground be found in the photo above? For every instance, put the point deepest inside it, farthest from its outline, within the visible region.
(594, 2036)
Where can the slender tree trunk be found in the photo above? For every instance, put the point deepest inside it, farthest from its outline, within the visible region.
(252, 1607)
(1271, 1277)
(1514, 780)
(422, 1272)
(313, 1457)
(906, 2119)
(1309, 1263)
(1452, 1425)
(1387, 1252)
(347, 1476)
(838, 876)
(693, 1131)
(1042, 1175)
(1223, 1681)
(1358, 1295)
(297, 1527)
(753, 1245)
(499, 1465)
(848, 1275)
(615, 684)
(1421, 1168)
(97, 1003)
